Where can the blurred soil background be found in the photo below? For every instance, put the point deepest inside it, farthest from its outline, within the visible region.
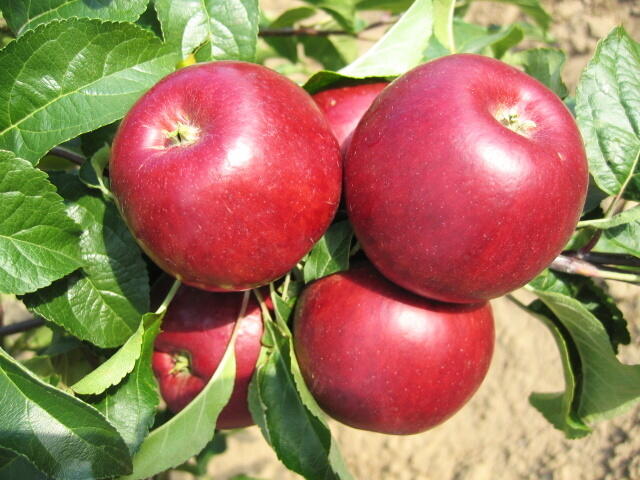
(497, 435)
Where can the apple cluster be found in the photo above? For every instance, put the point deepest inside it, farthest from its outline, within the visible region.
(462, 179)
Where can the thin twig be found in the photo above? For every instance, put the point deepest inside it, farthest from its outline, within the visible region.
(67, 155)
(603, 258)
(21, 326)
(577, 266)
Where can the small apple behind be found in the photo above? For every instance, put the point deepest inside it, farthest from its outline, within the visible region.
(379, 358)
(465, 179)
(195, 334)
(227, 173)
(345, 106)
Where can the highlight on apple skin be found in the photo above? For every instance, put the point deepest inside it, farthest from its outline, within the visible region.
(227, 173)
(465, 179)
(379, 358)
(195, 333)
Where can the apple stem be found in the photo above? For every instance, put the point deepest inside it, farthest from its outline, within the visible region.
(183, 135)
(285, 286)
(510, 118)
(181, 363)
(167, 300)
(355, 249)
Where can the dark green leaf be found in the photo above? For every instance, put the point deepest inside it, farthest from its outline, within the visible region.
(324, 51)
(166, 447)
(592, 297)
(545, 65)
(400, 49)
(298, 435)
(93, 141)
(131, 406)
(26, 15)
(70, 77)
(287, 46)
(38, 242)
(331, 253)
(14, 466)
(342, 11)
(62, 436)
(228, 29)
(92, 171)
(608, 112)
(104, 301)
(394, 6)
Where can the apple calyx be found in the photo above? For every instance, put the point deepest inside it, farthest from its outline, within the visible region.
(182, 136)
(181, 363)
(511, 118)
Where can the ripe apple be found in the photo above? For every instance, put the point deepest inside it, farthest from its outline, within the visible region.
(227, 173)
(344, 107)
(379, 358)
(465, 179)
(195, 333)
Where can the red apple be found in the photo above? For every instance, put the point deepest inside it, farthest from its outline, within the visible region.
(345, 106)
(196, 332)
(465, 179)
(379, 358)
(227, 173)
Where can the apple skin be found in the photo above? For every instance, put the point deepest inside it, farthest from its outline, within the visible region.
(345, 106)
(198, 324)
(379, 358)
(249, 196)
(448, 202)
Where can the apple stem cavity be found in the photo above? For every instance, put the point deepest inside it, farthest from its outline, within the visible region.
(182, 136)
(510, 118)
(181, 363)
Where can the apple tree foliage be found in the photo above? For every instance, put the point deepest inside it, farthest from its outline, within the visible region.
(78, 398)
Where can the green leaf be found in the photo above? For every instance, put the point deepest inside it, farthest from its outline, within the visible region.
(111, 372)
(14, 466)
(93, 141)
(331, 253)
(22, 16)
(545, 65)
(622, 218)
(38, 242)
(626, 237)
(593, 298)
(131, 406)
(557, 407)
(188, 432)
(499, 42)
(393, 6)
(70, 77)
(227, 29)
(398, 51)
(62, 436)
(104, 301)
(92, 172)
(607, 387)
(443, 23)
(608, 113)
(299, 435)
